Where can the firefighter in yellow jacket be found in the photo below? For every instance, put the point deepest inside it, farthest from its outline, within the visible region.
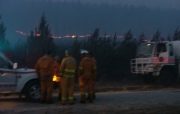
(85, 73)
(44, 68)
(67, 74)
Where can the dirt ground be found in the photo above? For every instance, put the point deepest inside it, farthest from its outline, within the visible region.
(112, 98)
(100, 106)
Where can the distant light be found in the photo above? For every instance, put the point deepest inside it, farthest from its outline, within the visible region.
(81, 36)
(68, 36)
(38, 34)
(73, 36)
(119, 36)
(148, 44)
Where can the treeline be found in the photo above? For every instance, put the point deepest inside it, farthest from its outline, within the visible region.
(112, 54)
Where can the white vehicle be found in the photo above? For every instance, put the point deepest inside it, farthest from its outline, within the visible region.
(158, 60)
(12, 80)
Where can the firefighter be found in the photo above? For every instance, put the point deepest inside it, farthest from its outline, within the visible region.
(56, 78)
(94, 74)
(85, 77)
(67, 74)
(44, 68)
(83, 52)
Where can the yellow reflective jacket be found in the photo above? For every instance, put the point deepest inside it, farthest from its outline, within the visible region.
(87, 68)
(68, 67)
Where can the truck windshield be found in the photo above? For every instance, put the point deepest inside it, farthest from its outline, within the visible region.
(145, 50)
(4, 61)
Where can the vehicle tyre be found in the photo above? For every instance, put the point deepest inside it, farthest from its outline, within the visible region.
(166, 78)
(148, 79)
(32, 90)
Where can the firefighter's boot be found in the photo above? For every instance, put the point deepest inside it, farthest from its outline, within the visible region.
(59, 96)
(63, 101)
(91, 97)
(83, 99)
(94, 96)
(71, 100)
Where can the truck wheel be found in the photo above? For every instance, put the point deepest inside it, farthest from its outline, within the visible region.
(166, 78)
(32, 90)
(148, 79)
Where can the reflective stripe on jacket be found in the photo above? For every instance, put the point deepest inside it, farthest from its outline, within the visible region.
(68, 67)
(87, 68)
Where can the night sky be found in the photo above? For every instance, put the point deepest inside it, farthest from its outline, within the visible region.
(24, 15)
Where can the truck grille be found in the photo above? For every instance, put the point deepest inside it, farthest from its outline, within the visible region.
(139, 65)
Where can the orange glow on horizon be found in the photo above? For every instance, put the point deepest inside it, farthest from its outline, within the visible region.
(38, 34)
(68, 36)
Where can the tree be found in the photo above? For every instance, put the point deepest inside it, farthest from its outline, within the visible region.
(169, 38)
(141, 38)
(76, 48)
(128, 36)
(93, 40)
(156, 36)
(40, 42)
(19, 53)
(176, 35)
(125, 52)
(4, 43)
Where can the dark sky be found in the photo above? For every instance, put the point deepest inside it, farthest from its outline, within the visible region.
(24, 15)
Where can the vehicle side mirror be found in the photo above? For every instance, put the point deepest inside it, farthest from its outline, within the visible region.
(15, 65)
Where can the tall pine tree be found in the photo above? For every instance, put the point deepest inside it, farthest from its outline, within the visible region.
(176, 35)
(156, 36)
(4, 43)
(39, 42)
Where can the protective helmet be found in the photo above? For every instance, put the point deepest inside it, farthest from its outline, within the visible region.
(68, 52)
(84, 51)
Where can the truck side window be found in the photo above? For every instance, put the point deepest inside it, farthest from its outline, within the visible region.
(2, 63)
(171, 50)
(162, 48)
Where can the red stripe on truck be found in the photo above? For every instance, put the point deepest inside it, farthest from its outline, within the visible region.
(166, 60)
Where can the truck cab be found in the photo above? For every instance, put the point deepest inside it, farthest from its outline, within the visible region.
(156, 60)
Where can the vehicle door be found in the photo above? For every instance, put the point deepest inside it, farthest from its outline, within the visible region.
(7, 76)
(161, 54)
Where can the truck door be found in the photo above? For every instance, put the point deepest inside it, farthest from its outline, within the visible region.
(171, 54)
(161, 53)
(164, 53)
(7, 76)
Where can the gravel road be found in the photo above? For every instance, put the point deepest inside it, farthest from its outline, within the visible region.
(139, 102)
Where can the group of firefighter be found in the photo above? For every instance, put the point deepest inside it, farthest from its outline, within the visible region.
(66, 70)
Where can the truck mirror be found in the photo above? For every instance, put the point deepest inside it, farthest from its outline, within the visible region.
(15, 65)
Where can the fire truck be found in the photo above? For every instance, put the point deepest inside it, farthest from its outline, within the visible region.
(157, 61)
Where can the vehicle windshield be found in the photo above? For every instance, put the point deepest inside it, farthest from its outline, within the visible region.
(145, 50)
(4, 61)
